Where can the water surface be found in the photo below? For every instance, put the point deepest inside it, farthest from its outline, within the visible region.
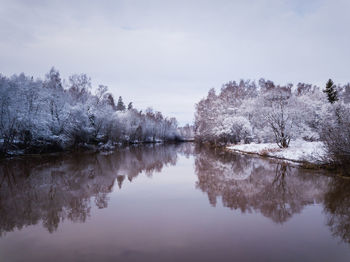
(170, 203)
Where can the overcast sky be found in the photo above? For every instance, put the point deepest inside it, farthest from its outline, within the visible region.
(168, 54)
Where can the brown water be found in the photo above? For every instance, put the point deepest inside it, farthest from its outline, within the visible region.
(170, 203)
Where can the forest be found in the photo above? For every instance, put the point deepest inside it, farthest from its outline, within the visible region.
(264, 112)
(51, 114)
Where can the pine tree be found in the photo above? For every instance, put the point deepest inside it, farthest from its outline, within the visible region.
(331, 91)
(130, 106)
(120, 104)
(110, 101)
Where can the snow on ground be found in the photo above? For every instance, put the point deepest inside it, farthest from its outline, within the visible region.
(298, 150)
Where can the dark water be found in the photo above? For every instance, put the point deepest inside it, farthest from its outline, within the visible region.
(170, 203)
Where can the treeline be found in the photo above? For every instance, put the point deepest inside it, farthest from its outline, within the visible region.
(48, 115)
(263, 112)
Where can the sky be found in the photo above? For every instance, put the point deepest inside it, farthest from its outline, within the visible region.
(168, 54)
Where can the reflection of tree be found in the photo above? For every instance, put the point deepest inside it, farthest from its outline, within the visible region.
(337, 208)
(284, 196)
(53, 188)
(252, 184)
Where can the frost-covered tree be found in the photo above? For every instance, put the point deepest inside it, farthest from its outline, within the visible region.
(335, 133)
(265, 112)
(218, 115)
(279, 115)
(52, 114)
(187, 132)
(120, 104)
(345, 94)
(53, 80)
(80, 87)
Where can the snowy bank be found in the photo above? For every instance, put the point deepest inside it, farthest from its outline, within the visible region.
(298, 151)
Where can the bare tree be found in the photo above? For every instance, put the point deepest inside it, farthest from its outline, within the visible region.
(279, 116)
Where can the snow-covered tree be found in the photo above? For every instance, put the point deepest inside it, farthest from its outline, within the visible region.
(120, 104)
(279, 115)
(52, 114)
(266, 112)
(335, 133)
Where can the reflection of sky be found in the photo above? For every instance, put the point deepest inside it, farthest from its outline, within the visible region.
(168, 54)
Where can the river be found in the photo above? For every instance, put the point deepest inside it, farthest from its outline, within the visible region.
(170, 203)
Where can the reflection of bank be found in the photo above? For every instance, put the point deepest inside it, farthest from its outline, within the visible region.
(53, 188)
(257, 185)
(337, 208)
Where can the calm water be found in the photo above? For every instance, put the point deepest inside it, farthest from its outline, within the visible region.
(170, 203)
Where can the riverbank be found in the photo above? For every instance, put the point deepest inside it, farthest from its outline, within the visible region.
(299, 151)
(43, 149)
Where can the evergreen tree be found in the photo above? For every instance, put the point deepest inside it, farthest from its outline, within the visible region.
(120, 104)
(130, 106)
(331, 91)
(110, 101)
